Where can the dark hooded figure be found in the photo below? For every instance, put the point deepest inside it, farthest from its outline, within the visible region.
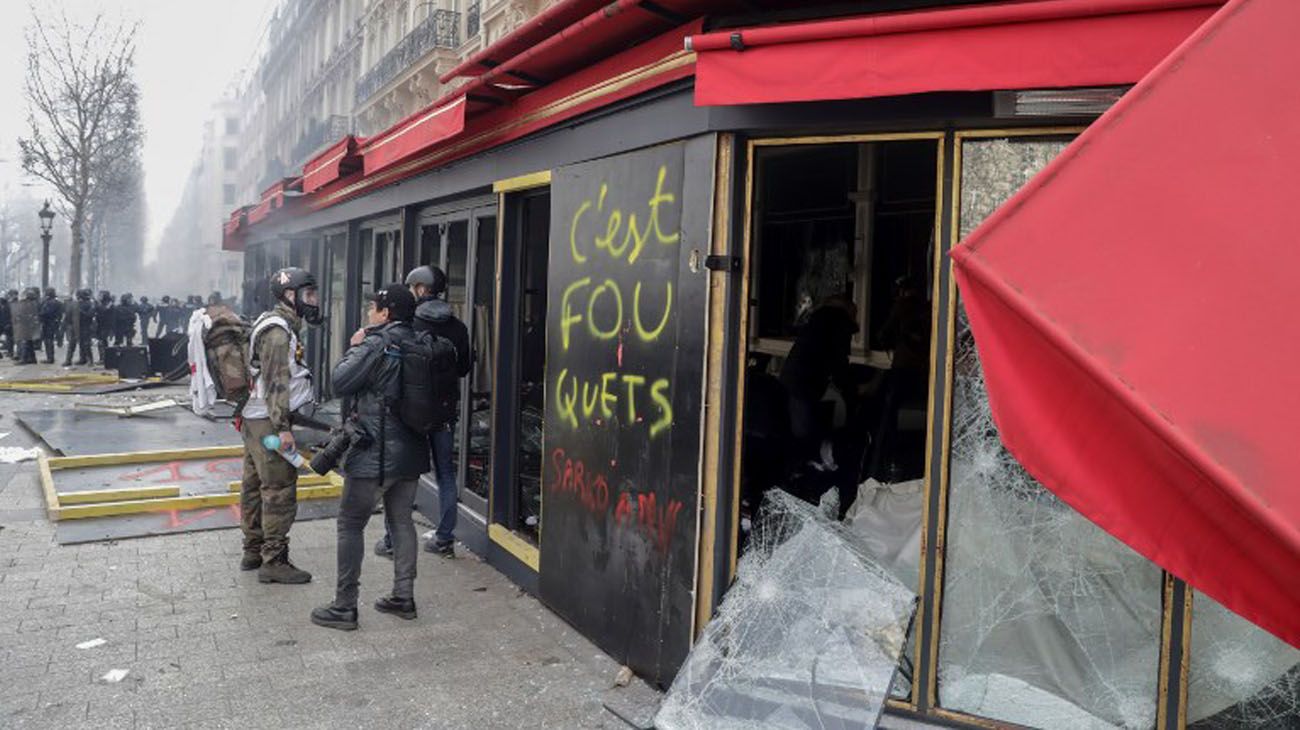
(819, 356)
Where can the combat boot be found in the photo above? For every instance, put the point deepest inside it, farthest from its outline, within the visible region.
(399, 607)
(252, 560)
(280, 570)
(344, 619)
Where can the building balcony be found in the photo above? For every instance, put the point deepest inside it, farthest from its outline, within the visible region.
(318, 135)
(440, 30)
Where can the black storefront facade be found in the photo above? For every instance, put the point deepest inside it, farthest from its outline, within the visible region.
(614, 272)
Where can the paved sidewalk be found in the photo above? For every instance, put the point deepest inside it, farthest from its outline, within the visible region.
(207, 646)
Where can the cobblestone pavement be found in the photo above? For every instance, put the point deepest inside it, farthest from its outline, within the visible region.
(207, 646)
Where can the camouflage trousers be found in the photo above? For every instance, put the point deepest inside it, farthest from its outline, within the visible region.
(268, 497)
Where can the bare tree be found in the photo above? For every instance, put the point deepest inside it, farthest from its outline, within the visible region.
(83, 116)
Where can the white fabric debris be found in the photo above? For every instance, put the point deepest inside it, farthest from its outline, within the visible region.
(203, 390)
(808, 637)
(91, 644)
(115, 675)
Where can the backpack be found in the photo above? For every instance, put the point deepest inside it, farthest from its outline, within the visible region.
(428, 384)
(225, 347)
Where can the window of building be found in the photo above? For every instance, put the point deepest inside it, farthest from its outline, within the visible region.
(229, 158)
(228, 194)
(232, 125)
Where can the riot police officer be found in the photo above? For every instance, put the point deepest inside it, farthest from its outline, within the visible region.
(51, 314)
(124, 321)
(104, 322)
(80, 319)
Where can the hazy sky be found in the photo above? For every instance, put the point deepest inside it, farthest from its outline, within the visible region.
(188, 53)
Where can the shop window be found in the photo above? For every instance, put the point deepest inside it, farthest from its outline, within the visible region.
(1241, 677)
(837, 386)
(534, 222)
(482, 324)
(1047, 620)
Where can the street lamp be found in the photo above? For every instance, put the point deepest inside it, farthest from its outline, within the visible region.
(47, 222)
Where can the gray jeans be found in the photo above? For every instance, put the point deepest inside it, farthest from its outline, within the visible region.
(359, 499)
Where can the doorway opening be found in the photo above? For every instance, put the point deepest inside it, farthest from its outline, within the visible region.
(842, 253)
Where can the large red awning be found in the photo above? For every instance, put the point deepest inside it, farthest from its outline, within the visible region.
(1015, 45)
(1134, 308)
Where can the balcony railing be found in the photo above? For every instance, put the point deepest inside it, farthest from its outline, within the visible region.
(472, 20)
(440, 30)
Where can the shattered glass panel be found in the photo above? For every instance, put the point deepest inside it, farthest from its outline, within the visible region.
(1047, 620)
(1241, 677)
(808, 637)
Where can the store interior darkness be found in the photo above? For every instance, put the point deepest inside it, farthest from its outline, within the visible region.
(838, 364)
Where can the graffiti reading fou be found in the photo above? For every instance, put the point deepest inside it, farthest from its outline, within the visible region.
(616, 309)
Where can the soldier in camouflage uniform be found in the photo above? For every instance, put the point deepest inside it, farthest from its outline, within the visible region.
(281, 385)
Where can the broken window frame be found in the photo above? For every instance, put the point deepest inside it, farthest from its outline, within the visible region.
(749, 341)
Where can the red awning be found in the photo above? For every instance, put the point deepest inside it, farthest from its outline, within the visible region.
(1135, 313)
(419, 131)
(340, 159)
(1021, 45)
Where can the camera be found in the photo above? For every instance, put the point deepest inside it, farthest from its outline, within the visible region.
(327, 458)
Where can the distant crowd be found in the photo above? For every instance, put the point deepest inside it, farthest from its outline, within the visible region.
(30, 322)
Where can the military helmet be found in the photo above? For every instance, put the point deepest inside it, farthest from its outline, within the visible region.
(50, 293)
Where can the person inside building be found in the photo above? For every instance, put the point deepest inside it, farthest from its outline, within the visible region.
(282, 384)
(428, 284)
(80, 319)
(51, 314)
(145, 311)
(819, 356)
(384, 464)
(104, 310)
(27, 325)
(6, 324)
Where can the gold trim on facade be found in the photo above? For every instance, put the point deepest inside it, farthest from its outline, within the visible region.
(715, 333)
(523, 182)
(515, 545)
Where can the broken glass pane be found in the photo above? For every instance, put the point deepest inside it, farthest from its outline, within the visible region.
(1047, 620)
(1240, 675)
(807, 637)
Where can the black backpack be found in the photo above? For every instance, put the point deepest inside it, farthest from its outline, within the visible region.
(430, 387)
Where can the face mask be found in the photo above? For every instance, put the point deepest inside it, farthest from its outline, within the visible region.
(307, 306)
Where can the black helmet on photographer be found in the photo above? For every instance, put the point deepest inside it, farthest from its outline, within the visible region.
(304, 301)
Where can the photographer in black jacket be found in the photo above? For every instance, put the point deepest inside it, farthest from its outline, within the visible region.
(385, 461)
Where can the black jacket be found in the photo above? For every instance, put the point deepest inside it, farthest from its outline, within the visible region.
(820, 353)
(436, 317)
(51, 315)
(103, 320)
(372, 378)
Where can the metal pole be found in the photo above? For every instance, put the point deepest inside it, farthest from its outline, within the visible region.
(45, 261)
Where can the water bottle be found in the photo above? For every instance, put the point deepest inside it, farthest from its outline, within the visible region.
(290, 453)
